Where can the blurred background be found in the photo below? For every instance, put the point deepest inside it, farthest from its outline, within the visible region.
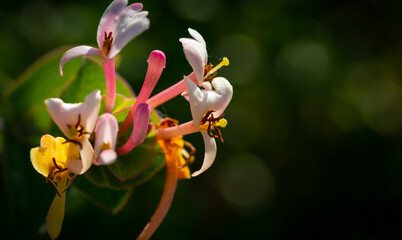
(313, 146)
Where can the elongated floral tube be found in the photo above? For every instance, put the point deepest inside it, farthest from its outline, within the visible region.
(170, 92)
(156, 64)
(182, 129)
(140, 129)
(110, 82)
(165, 202)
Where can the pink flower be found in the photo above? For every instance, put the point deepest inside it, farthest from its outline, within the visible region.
(119, 25)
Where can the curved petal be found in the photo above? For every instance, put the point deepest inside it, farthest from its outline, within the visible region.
(195, 59)
(197, 36)
(106, 133)
(109, 19)
(197, 102)
(68, 115)
(78, 166)
(131, 23)
(210, 153)
(107, 157)
(225, 92)
(78, 52)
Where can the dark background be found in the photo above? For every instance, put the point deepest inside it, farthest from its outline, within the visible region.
(313, 146)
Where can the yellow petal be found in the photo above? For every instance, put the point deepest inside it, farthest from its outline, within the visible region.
(55, 215)
(57, 148)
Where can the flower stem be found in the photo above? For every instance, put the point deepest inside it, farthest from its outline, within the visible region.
(170, 92)
(108, 67)
(182, 129)
(165, 202)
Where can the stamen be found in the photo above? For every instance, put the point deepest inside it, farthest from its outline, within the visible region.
(55, 187)
(70, 182)
(107, 43)
(190, 157)
(79, 121)
(225, 62)
(48, 176)
(76, 142)
(206, 116)
(55, 164)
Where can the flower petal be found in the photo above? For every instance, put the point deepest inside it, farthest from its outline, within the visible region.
(131, 23)
(210, 153)
(78, 166)
(202, 101)
(106, 133)
(196, 53)
(69, 114)
(78, 52)
(109, 19)
(197, 36)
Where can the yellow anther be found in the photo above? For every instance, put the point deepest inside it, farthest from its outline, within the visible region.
(225, 62)
(222, 123)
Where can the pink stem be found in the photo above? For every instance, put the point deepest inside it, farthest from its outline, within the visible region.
(165, 202)
(156, 64)
(182, 129)
(108, 68)
(170, 92)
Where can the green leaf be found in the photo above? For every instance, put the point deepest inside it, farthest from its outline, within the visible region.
(108, 199)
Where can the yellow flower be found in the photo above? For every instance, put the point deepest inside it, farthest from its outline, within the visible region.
(51, 161)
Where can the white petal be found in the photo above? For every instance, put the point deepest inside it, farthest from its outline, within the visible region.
(78, 52)
(197, 102)
(106, 132)
(196, 53)
(68, 114)
(130, 24)
(196, 60)
(197, 36)
(224, 90)
(109, 19)
(210, 153)
(78, 166)
(107, 157)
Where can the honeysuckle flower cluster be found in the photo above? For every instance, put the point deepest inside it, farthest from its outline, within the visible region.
(92, 137)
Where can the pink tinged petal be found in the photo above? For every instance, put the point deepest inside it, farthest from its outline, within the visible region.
(78, 166)
(206, 85)
(78, 52)
(130, 24)
(195, 57)
(210, 153)
(109, 19)
(156, 64)
(107, 157)
(140, 129)
(67, 114)
(106, 133)
(110, 82)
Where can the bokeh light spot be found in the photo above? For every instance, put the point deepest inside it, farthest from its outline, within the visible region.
(246, 182)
